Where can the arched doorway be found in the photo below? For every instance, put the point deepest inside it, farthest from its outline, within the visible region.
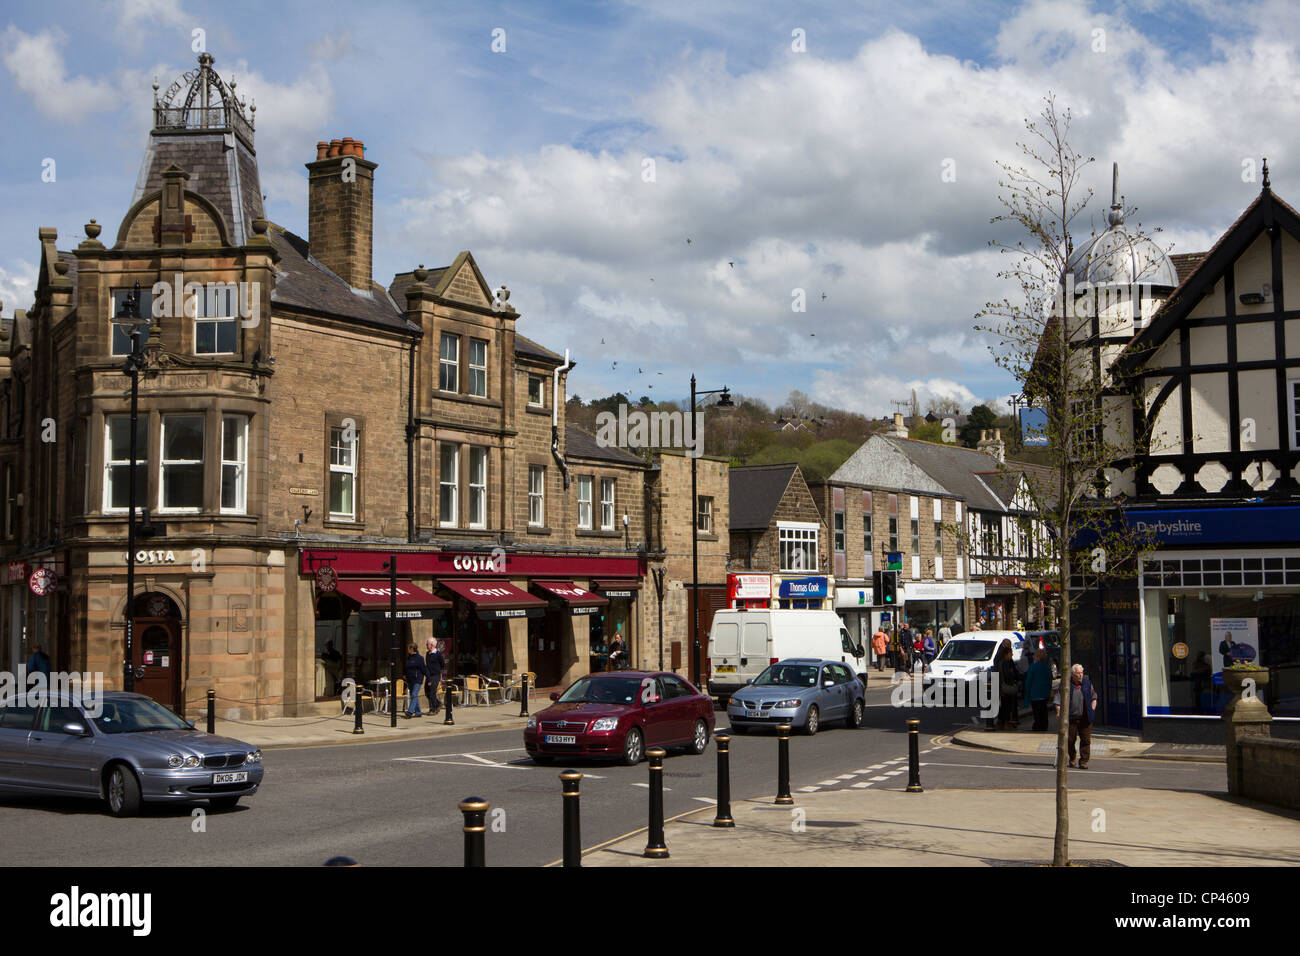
(157, 649)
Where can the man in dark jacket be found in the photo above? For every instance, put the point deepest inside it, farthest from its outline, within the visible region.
(416, 673)
(1083, 706)
(434, 663)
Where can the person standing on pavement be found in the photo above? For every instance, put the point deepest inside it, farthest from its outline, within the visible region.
(945, 634)
(1038, 687)
(928, 649)
(1083, 706)
(880, 644)
(1004, 666)
(905, 648)
(416, 673)
(39, 662)
(434, 663)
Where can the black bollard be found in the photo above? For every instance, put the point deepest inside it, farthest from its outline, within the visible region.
(447, 689)
(783, 797)
(475, 810)
(356, 709)
(914, 757)
(723, 817)
(212, 711)
(572, 828)
(523, 696)
(655, 846)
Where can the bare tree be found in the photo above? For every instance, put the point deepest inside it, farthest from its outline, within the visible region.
(1049, 341)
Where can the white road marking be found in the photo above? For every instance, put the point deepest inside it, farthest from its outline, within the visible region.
(859, 786)
(858, 773)
(809, 789)
(892, 773)
(874, 766)
(827, 783)
(709, 800)
(877, 779)
(461, 763)
(848, 776)
(647, 787)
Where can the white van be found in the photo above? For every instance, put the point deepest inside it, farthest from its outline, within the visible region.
(743, 642)
(970, 654)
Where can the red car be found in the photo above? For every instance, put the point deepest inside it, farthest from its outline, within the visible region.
(619, 715)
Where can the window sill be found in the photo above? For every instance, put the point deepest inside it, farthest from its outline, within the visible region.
(705, 536)
(535, 529)
(591, 533)
(342, 523)
(538, 410)
(467, 399)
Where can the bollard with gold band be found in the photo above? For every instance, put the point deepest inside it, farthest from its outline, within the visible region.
(914, 757)
(572, 834)
(475, 810)
(723, 817)
(655, 846)
(523, 695)
(783, 797)
(212, 711)
(448, 687)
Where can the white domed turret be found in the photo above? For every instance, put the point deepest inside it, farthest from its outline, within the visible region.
(1117, 257)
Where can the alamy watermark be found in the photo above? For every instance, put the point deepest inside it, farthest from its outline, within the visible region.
(37, 688)
(220, 300)
(637, 428)
(1084, 300)
(981, 692)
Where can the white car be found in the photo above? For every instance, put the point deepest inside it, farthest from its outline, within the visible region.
(970, 654)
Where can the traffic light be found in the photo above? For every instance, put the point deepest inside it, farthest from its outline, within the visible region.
(886, 586)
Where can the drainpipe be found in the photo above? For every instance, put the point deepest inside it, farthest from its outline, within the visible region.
(555, 419)
(416, 335)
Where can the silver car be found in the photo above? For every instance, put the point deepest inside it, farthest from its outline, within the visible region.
(802, 692)
(123, 748)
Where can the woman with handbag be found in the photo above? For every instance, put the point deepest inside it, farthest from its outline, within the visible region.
(1004, 665)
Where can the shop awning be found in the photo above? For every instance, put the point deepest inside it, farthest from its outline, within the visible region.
(617, 588)
(375, 599)
(578, 600)
(494, 600)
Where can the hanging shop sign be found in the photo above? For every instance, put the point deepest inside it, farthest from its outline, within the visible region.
(42, 581)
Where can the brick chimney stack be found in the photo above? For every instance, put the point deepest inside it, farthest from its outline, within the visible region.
(899, 430)
(991, 444)
(340, 213)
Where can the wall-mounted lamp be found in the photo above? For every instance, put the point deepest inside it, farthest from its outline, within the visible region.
(1259, 595)
(1203, 596)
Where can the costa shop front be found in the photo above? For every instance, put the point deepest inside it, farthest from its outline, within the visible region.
(492, 613)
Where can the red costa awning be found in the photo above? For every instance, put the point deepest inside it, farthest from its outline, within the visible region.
(579, 600)
(494, 600)
(375, 599)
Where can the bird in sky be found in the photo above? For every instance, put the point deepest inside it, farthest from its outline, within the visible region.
(615, 365)
(688, 241)
(602, 341)
(732, 264)
(823, 296)
(639, 372)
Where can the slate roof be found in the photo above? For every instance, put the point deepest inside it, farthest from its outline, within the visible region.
(580, 443)
(304, 283)
(955, 468)
(526, 346)
(225, 175)
(756, 490)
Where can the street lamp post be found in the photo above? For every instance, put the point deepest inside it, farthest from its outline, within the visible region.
(658, 574)
(723, 402)
(129, 308)
(391, 567)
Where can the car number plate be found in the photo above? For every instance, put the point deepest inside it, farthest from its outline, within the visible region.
(726, 668)
(753, 713)
(238, 776)
(561, 739)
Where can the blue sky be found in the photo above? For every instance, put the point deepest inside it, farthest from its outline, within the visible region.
(814, 169)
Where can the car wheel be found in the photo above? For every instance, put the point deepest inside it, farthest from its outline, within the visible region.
(633, 751)
(542, 760)
(854, 720)
(123, 792)
(814, 721)
(700, 738)
(224, 803)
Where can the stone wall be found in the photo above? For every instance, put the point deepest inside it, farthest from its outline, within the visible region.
(1269, 771)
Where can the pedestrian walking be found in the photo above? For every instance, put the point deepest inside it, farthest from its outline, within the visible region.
(905, 648)
(929, 649)
(945, 634)
(416, 673)
(879, 645)
(1038, 687)
(1083, 706)
(39, 662)
(1004, 666)
(435, 664)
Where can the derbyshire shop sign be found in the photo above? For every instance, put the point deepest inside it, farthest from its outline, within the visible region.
(1212, 526)
(803, 588)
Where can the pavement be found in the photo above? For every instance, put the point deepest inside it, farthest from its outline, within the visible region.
(890, 827)
(338, 729)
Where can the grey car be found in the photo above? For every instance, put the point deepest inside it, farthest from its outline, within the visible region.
(122, 748)
(803, 692)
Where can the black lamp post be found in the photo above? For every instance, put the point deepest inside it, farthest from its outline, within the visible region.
(391, 567)
(129, 308)
(723, 402)
(658, 574)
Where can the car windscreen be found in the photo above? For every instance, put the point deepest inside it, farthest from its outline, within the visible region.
(789, 675)
(131, 715)
(603, 690)
(959, 650)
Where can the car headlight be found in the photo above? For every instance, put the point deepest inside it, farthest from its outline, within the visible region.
(192, 762)
(792, 702)
(254, 757)
(605, 723)
(175, 761)
(532, 723)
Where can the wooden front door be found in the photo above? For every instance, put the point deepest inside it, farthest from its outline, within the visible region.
(157, 652)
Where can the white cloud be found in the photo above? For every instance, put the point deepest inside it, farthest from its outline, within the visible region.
(37, 67)
(17, 286)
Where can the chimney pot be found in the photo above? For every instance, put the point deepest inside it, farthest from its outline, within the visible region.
(322, 149)
(359, 147)
(336, 147)
(347, 146)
